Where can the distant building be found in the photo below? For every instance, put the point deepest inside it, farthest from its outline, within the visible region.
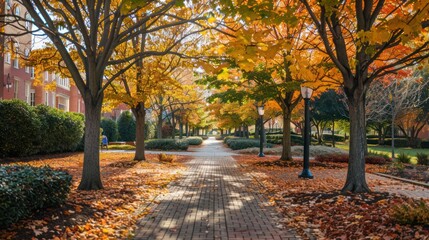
(17, 80)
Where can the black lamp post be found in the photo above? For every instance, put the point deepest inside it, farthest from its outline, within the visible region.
(8, 83)
(261, 130)
(306, 94)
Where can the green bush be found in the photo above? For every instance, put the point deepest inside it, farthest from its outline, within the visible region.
(404, 158)
(237, 144)
(19, 129)
(204, 137)
(110, 129)
(227, 138)
(424, 144)
(422, 159)
(62, 131)
(338, 138)
(24, 189)
(372, 141)
(194, 140)
(127, 127)
(414, 213)
(167, 144)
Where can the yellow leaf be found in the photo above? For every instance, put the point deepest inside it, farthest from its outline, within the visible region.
(211, 20)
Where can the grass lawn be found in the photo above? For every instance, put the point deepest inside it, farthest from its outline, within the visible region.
(388, 150)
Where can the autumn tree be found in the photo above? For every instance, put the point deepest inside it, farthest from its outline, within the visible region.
(366, 40)
(274, 50)
(86, 34)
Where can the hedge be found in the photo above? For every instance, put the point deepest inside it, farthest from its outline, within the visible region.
(166, 144)
(239, 143)
(337, 138)
(19, 129)
(25, 130)
(194, 140)
(61, 131)
(344, 158)
(24, 189)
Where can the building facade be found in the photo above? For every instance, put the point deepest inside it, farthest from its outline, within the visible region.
(17, 81)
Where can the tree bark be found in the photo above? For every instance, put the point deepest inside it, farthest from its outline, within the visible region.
(140, 115)
(180, 129)
(91, 178)
(159, 124)
(333, 133)
(356, 181)
(287, 151)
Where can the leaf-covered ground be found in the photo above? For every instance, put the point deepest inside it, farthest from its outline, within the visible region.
(111, 213)
(317, 208)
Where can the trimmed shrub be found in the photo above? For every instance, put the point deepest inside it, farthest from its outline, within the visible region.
(110, 129)
(204, 137)
(414, 213)
(404, 158)
(227, 138)
(422, 159)
(194, 140)
(344, 158)
(167, 144)
(338, 138)
(62, 131)
(127, 127)
(236, 144)
(19, 129)
(424, 144)
(25, 189)
(372, 141)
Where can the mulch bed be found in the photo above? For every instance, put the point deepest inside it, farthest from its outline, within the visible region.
(110, 213)
(413, 172)
(316, 208)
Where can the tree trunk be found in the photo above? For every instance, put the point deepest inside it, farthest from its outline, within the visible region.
(91, 178)
(159, 125)
(356, 181)
(287, 151)
(180, 129)
(173, 125)
(140, 115)
(333, 133)
(187, 129)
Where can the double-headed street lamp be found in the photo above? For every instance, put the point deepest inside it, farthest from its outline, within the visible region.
(306, 93)
(261, 130)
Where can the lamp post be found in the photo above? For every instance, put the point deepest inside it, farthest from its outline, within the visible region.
(261, 130)
(306, 94)
(8, 83)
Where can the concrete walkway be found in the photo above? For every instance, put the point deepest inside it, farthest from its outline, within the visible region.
(213, 200)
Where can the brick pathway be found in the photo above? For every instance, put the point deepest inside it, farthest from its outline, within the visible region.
(213, 200)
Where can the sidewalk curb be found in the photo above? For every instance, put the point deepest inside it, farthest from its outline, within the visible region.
(403, 179)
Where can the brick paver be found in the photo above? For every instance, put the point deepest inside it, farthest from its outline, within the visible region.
(213, 200)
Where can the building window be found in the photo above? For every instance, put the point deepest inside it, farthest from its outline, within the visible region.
(28, 21)
(32, 72)
(27, 69)
(46, 76)
(16, 63)
(17, 10)
(32, 98)
(7, 58)
(16, 89)
(46, 98)
(7, 4)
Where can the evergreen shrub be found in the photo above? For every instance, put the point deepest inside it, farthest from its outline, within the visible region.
(24, 189)
(166, 144)
(194, 140)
